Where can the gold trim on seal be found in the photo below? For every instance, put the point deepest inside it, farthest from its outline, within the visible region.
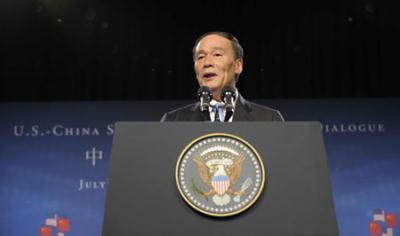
(259, 191)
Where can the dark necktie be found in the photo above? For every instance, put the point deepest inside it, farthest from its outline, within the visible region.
(217, 110)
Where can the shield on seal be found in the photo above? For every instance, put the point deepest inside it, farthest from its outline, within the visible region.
(220, 184)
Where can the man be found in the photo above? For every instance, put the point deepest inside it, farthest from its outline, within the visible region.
(218, 62)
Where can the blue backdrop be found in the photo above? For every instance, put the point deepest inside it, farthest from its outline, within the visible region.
(54, 159)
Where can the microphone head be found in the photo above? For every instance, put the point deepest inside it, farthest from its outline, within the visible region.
(204, 91)
(204, 94)
(228, 91)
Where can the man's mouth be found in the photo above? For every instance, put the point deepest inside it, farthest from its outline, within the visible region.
(209, 75)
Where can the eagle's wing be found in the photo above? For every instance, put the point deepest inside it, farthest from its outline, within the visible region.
(236, 170)
(204, 172)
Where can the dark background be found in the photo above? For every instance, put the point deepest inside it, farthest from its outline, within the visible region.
(53, 50)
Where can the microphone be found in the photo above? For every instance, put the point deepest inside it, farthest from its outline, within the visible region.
(228, 95)
(204, 94)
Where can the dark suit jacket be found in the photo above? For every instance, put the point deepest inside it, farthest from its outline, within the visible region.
(244, 111)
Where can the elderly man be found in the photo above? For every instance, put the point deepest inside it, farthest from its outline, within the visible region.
(218, 62)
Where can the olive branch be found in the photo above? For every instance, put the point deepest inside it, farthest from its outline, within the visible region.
(197, 189)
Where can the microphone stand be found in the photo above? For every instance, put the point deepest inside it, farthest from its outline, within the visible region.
(228, 96)
(205, 95)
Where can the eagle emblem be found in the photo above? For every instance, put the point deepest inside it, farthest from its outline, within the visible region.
(220, 174)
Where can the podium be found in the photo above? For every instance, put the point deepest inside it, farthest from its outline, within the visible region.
(143, 197)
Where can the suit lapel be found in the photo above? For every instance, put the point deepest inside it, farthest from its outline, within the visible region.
(196, 114)
(242, 110)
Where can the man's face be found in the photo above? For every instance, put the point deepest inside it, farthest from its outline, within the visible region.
(215, 64)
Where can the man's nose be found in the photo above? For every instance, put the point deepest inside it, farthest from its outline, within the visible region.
(208, 62)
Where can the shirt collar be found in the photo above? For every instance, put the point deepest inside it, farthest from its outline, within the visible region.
(214, 103)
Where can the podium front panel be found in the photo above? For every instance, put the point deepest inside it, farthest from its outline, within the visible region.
(143, 198)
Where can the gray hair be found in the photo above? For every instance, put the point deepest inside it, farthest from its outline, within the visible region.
(237, 48)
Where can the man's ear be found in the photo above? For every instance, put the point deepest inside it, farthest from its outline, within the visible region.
(238, 66)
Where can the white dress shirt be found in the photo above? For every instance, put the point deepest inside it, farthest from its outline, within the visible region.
(221, 109)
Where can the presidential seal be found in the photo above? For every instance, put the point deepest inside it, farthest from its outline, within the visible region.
(220, 174)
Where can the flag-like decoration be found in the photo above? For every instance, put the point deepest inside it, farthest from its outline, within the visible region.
(375, 228)
(52, 221)
(379, 215)
(46, 231)
(61, 224)
(391, 220)
(383, 224)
